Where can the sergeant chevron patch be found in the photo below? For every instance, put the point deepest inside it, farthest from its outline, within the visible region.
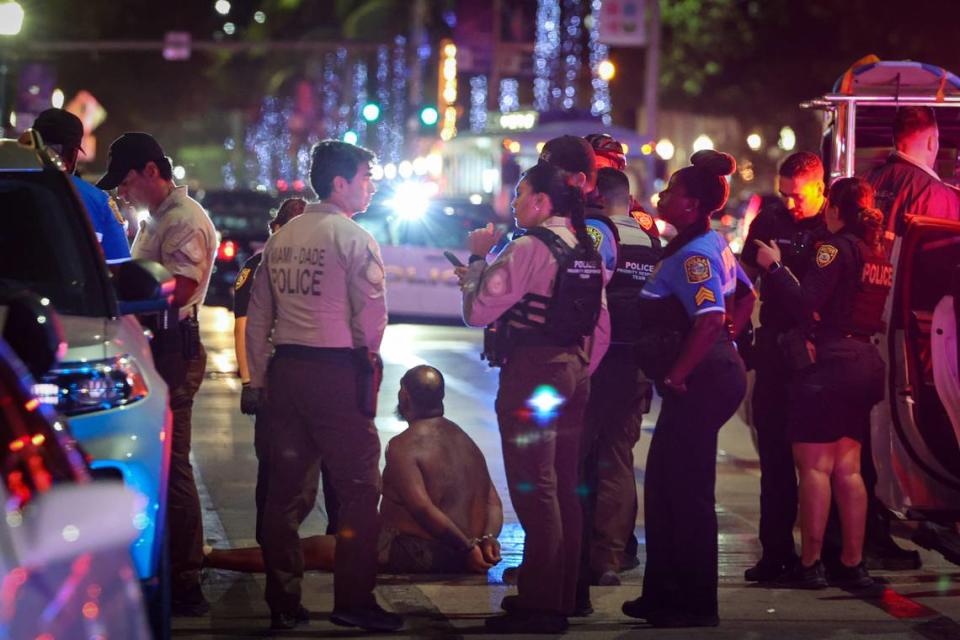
(704, 295)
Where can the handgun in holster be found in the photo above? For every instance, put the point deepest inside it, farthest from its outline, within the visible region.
(369, 376)
(496, 344)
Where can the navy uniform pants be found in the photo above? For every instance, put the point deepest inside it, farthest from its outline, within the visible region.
(679, 503)
(541, 455)
(778, 477)
(314, 415)
(619, 395)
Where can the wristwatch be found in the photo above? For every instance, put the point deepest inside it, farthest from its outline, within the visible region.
(474, 258)
(774, 267)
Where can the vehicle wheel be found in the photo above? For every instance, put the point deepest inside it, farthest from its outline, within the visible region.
(156, 593)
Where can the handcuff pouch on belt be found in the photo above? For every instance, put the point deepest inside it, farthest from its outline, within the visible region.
(369, 376)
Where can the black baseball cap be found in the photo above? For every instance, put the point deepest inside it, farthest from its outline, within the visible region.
(132, 150)
(57, 126)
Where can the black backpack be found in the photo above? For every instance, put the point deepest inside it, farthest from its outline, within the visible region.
(571, 313)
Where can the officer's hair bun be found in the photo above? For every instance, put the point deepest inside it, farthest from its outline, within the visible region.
(714, 162)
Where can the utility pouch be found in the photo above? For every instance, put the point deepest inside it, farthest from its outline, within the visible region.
(166, 345)
(369, 376)
(798, 351)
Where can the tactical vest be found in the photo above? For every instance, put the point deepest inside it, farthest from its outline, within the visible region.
(635, 264)
(864, 311)
(561, 319)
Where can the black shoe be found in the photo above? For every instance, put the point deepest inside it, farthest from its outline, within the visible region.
(801, 577)
(510, 575)
(510, 604)
(678, 620)
(851, 577)
(371, 618)
(290, 620)
(636, 608)
(527, 622)
(767, 570)
(189, 602)
(629, 563)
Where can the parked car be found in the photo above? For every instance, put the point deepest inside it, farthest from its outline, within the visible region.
(65, 568)
(106, 382)
(241, 218)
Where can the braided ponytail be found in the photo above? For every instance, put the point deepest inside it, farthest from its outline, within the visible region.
(567, 200)
(853, 199)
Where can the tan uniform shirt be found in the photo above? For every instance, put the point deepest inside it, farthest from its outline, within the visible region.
(320, 284)
(180, 236)
(525, 266)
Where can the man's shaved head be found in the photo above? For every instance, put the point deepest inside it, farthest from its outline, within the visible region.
(424, 387)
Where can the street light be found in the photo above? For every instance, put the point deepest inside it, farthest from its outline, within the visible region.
(11, 18)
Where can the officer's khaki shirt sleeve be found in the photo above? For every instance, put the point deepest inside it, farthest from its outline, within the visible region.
(260, 318)
(366, 289)
(183, 246)
(488, 291)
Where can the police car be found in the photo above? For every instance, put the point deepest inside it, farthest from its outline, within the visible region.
(106, 382)
(916, 429)
(65, 564)
(414, 229)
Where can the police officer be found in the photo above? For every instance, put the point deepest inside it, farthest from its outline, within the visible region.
(839, 306)
(702, 382)
(543, 296)
(63, 132)
(795, 228)
(620, 393)
(179, 235)
(320, 289)
(250, 401)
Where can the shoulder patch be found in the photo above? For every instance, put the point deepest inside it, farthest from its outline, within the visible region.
(826, 254)
(644, 219)
(596, 235)
(704, 295)
(697, 269)
(242, 278)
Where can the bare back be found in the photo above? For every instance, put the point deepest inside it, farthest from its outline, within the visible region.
(453, 472)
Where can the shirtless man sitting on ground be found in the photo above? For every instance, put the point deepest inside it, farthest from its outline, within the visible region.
(440, 513)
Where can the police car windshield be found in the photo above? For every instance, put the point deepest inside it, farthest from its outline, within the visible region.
(443, 224)
(47, 245)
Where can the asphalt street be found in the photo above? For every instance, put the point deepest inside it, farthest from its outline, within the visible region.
(923, 604)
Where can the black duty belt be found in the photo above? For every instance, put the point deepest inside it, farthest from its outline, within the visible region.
(303, 352)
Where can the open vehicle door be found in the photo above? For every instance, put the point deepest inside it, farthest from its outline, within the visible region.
(915, 430)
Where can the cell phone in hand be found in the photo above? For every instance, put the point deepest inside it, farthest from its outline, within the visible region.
(454, 260)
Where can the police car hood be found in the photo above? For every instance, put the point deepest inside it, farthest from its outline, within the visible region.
(87, 338)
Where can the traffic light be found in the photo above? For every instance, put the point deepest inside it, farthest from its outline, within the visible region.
(371, 112)
(429, 116)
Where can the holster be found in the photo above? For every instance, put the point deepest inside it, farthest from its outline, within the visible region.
(497, 344)
(166, 345)
(798, 351)
(369, 376)
(190, 336)
(657, 350)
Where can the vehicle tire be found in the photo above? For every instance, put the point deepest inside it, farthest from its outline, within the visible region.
(156, 595)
